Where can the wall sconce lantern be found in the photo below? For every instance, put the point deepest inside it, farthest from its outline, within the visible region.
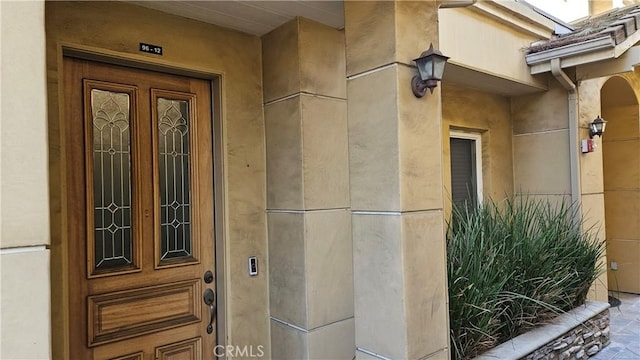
(431, 67)
(596, 127)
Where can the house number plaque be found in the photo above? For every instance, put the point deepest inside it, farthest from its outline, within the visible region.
(151, 49)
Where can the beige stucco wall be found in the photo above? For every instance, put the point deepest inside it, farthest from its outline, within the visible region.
(541, 155)
(489, 115)
(395, 167)
(541, 143)
(24, 225)
(25, 210)
(621, 180)
(610, 177)
(310, 247)
(591, 175)
(118, 28)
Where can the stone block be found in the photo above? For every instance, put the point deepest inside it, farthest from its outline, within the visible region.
(400, 254)
(322, 59)
(287, 277)
(311, 272)
(334, 341)
(329, 267)
(373, 141)
(281, 62)
(325, 153)
(420, 170)
(283, 127)
(370, 34)
(25, 308)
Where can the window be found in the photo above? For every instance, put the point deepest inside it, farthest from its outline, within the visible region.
(466, 168)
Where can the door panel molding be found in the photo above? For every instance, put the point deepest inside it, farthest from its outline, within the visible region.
(130, 313)
(135, 356)
(188, 349)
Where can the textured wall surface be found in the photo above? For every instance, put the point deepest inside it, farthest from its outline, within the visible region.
(24, 225)
(25, 206)
(579, 343)
(460, 112)
(576, 335)
(310, 247)
(395, 169)
(621, 180)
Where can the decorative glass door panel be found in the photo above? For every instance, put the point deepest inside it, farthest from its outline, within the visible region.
(111, 242)
(173, 166)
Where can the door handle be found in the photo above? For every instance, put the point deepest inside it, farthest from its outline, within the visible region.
(209, 298)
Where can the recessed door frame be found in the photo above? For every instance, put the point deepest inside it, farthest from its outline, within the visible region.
(60, 265)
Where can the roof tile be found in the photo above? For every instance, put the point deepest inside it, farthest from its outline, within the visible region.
(618, 24)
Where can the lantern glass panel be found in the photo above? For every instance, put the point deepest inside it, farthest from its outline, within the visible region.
(439, 68)
(425, 66)
(602, 126)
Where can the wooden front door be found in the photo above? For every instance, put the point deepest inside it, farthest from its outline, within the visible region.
(138, 153)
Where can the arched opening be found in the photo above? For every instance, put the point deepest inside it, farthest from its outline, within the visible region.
(621, 171)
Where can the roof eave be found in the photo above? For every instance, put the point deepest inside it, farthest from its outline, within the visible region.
(540, 61)
(517, 16)
(624, 63)
(593, 50)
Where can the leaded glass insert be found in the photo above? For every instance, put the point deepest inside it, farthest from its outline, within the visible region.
(111, 179)
(175, 189)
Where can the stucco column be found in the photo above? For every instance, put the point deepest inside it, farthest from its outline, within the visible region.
(24, 226)
(592, 177)
(308, 212)
(395, 158)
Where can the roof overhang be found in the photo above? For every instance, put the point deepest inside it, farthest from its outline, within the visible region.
(599, 46)
(516, 15)
(624, 63)
(463, 74)
(586, 52)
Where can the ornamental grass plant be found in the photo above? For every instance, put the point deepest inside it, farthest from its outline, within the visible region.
(514, 265)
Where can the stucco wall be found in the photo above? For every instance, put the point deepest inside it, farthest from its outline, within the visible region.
(591, 175)
(25, 208)
(489, 115)
(117, 28)
(24, 226)
(541, 143)
(621, 180)
(308, 206)
(395, 177)
(610, 176)
(541, 155)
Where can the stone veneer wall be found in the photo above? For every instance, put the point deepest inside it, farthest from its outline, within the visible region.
(581, 342)
(576, 334)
